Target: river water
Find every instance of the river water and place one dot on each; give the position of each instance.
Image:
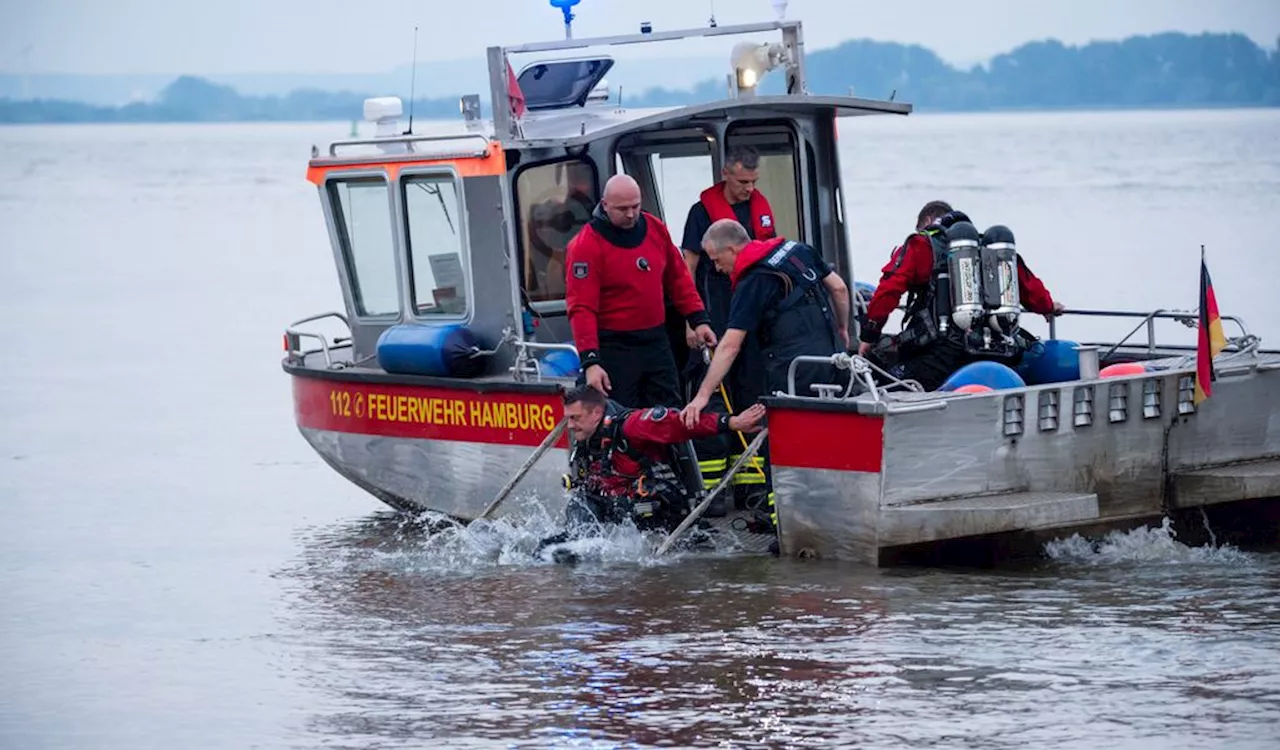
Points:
(179, 570)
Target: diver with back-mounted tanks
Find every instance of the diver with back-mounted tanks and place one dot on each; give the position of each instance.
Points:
(967, 290)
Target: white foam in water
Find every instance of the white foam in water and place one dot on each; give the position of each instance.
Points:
(1142, 545)
(509, 541)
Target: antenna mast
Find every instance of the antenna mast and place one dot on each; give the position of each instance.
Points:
(413, 80)
(566, 7)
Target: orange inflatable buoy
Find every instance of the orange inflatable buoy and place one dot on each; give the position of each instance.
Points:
(1122, 368)
(973, 388)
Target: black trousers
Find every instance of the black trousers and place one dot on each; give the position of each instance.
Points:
(717, 454)
(931, 366)
(641, 369)
(713, 452)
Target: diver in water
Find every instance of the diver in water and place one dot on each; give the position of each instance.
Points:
(622, 463)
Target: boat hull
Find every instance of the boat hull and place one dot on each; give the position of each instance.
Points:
(1117, 451)
(423, 447)
(853, 480)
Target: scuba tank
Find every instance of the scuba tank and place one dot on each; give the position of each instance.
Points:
(964, 267)
(1000, 294)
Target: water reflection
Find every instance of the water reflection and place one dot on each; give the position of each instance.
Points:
(408, 644)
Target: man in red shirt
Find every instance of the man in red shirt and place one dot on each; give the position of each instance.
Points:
(911, 270)
(621, 267)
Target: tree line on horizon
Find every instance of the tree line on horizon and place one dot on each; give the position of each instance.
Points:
(1163, 70)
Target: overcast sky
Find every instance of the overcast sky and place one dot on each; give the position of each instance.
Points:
(220, 37)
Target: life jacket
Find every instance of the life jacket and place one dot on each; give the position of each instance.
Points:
(712, 285)
(718, 207)
(621, 481)
(802, 322)
(929, 310)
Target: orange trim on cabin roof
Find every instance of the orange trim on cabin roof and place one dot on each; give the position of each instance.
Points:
(491, 164)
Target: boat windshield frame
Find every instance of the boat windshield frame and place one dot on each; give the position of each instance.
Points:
(505, 124)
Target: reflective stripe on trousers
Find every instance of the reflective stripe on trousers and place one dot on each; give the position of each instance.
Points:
(712, 471)
(750, 474)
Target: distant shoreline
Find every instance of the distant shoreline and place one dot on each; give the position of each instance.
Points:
(345, 123)
(1171, 71)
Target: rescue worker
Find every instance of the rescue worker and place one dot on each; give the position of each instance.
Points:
(621, 461)
(620, 266)
(922, 355)
(734, 197)
(789, 298)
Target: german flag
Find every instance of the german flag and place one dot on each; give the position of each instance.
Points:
(1211, 340)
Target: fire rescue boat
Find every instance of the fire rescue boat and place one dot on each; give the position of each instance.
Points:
(451, 354)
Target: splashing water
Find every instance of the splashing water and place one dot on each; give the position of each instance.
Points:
(1142, 545)
(435, 544)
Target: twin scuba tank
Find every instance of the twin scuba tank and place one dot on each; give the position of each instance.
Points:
(978, 287)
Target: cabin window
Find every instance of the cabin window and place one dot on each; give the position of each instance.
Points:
(779, 172)
(437, 257)
(680, 181)
(555, 202)
(362, 214)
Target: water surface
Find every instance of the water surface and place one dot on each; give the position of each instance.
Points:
(179, 570)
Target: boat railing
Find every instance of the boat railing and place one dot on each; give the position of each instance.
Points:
(408, 142)
(861, 372)
(526, 365)
(1245, 342)
(293, 339)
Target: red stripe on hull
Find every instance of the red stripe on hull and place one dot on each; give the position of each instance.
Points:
(825, 440)
(410, 411)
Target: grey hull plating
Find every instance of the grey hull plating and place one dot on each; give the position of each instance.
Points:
(453, 478)
(1141, 453)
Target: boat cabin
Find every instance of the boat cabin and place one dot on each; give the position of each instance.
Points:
(466, 227)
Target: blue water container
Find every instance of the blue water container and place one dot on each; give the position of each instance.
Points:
(443, 351)
(1050, 361)
(560, 363)
(991, 374)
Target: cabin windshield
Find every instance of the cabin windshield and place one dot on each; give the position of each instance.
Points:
(362, 216)
(436, 249)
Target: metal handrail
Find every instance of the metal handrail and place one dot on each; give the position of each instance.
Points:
(322, 316)
(324, 346)
(525, 364)
(409, 140)
(653, 36)
(1185, 317)
(293, 336)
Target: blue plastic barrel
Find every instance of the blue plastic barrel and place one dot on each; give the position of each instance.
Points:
(1050, 361)
(438, 350)
(991, 374)
(560, 363)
